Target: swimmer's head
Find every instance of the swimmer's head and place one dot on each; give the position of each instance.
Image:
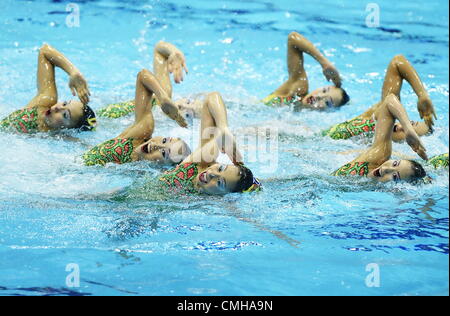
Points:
(421, 129)
(399, 170)
(164, 150)
(70, 114)
(221, 179)
(326, 98)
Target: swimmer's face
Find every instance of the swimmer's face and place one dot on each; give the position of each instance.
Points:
(64, 114)
(324, 98)
(219, 179)
(164, 150)
(399, 135)
(394, 170)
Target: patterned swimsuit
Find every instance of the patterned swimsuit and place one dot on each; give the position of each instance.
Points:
(23, 121)
(116, 110)
(273, 100)
(181, 178)
(440, 161)
(351, 128)
(353, 169)
(118, 150)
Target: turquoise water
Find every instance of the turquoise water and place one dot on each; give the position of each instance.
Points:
(306, 233)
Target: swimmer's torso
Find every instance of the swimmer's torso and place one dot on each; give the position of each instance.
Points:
(351, 128)
(181, 178)
(357, 168)
(24, 121)
(116, 110)
(117, 150)
(273, 100)
(440, 161)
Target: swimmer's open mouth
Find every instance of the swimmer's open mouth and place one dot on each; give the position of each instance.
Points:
(311, 100)
(145, 149)
(202, 177)
(377, 173)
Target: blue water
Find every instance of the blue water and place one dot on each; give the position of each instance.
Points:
(306, 233)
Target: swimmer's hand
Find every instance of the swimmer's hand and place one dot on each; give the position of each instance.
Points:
(176, 65)
(414, 142)
(78, 85)
(171, 111)
(426, 110)
(331, 73)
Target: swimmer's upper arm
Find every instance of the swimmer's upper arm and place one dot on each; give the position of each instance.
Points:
(47, 94)
(205, 154)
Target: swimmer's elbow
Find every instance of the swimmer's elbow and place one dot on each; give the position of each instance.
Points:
(45, 48)
(294, 36)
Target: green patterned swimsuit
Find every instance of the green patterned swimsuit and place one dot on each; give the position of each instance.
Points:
(117, 110)
(181, 178)
(273, 100)
(439, 161)
(353, 169)
(118, 150)
(23, 121)
(351, 128)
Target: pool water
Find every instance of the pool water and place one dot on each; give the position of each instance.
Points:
(305, 233)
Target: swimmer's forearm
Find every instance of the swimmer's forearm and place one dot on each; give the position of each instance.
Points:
(398, 111)
(152, 84)
(410, 74)
(302, 44)
(57, 59)
(216, 107)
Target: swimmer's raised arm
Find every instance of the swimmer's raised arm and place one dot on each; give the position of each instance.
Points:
(147, 86)
(297, 84)
(47, 94)
(168, 59)
(301, 44)
(400, 69)
(386, 114)
(215, 134)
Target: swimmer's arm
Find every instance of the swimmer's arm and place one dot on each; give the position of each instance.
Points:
(208, 153)
(381, 150)
(47, 94)
(214, 126)
(147, 86)
(214, 117)
(302, 44)
(400, 69)
(168, 59)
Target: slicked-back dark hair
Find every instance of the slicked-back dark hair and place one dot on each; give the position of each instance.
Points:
(345, 97)
(86, 121)
(419, 171)
(246, 180)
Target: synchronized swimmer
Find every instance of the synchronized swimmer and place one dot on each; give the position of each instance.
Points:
(198, 171)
